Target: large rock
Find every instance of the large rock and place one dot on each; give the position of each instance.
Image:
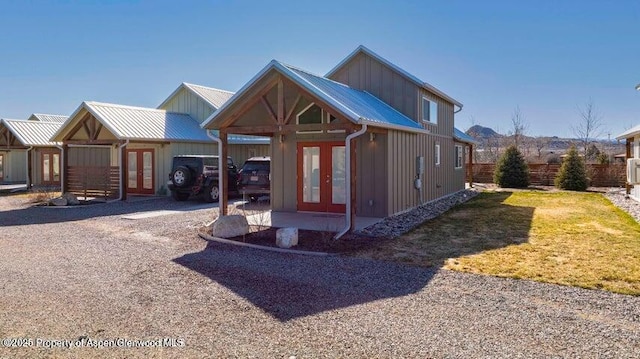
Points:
(60, 201)
(71, 198)
(287, 237)
(230, 226)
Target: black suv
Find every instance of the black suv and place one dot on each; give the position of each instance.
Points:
(254, 177)
(198, 175)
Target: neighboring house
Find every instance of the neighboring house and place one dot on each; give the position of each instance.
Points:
(200, 102)
(376, 143)
(632, 157)
(26, 155)
(112, 150)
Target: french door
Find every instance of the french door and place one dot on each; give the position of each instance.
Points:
(321, 177)
(50, 165)
(1, 167)
(140, 171)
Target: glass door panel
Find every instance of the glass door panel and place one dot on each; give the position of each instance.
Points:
(46, 175)
(311, 174)
(56, 167)
(1, 167)
(338, 175)
(147, 172)
(132, 172)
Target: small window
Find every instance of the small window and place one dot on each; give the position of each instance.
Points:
(312, 114)
(437, 154)
(333, 119)
(429, 111)
(458, 156)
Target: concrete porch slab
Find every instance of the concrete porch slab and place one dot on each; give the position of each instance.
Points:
(332, 222)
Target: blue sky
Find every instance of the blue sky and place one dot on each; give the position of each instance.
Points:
(547, 57)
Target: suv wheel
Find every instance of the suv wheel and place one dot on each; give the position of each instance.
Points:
(212, 194)
(179, 196)
(181, 176)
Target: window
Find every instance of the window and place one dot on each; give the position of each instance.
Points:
(50, 165)
(437, 154)
(458, 156)
(312, 114)
(429, 111)
(1, 167)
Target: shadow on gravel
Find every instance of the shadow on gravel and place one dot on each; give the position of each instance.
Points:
(43, 214)
(291, 286)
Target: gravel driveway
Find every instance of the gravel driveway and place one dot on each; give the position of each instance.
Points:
(88, 275)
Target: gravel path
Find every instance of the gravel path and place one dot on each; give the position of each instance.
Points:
(618, 198)
(89, 274)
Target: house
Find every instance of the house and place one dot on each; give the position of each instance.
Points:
(632, 137)
(26, 154)
(112, 150)
(200, 102)
(367, 139)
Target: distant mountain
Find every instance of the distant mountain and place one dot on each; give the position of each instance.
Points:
(480, 132)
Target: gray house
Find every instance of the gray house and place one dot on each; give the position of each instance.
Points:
(367, 139)
(632, 138)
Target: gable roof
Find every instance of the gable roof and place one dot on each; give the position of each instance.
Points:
(212, 96)
(33, 133)
(632, 132)
(47, 118)
(405, 74)
(358, 106)
(139, 123)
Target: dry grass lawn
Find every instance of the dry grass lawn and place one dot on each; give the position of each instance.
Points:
(568, 238)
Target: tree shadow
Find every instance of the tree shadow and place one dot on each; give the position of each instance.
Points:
(289, 286)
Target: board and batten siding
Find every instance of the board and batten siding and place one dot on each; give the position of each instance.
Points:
(437, 180)
(366, 73)
(187, 102)
(15, 165)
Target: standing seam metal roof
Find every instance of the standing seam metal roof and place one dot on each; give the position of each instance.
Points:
(358, 106)
(33, 133)
(47, 118)
(212, 96)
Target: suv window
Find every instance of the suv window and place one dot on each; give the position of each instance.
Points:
(250, 166)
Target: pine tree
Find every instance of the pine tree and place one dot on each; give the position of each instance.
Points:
(511, 170)
(573, 173)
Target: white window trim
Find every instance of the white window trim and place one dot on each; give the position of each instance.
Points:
(303, 111)
(437, 154)
(431, 101)
(460, 151)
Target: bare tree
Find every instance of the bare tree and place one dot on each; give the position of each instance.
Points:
(519, 127)
(541, 143)
(590, 125)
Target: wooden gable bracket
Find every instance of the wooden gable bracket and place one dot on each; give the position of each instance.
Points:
(91, 126)
(253, 98)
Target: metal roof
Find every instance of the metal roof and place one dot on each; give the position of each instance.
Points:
(463, 137)
(404, 73)
(140, 123)
(358, 106)
(33, 133)
(244, 139)
(47, 118)
(214, 97)
(634, 131)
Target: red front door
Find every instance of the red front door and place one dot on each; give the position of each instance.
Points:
(140, 171)
(321, 177)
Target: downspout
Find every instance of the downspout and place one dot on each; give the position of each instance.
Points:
(347, 145)
(220, 162)
(29, 172)
(120, 169)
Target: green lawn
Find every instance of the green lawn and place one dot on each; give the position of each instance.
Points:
(569, 238)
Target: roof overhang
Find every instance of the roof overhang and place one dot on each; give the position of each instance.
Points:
(631, 133)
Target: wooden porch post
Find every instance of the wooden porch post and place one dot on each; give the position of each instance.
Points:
(471, 165)
(352, 175)
(627, 156)
(123, 171)
(222, 166)
(65, 168)
(29, 171)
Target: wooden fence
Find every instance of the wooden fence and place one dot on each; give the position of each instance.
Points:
(542, 174)
(98, 182)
